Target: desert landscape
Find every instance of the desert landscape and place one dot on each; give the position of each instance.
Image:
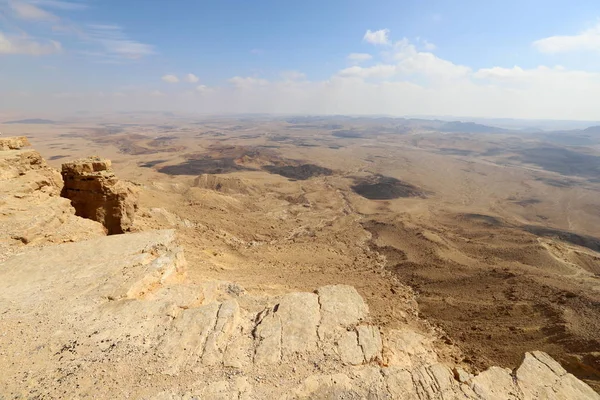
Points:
(484, 239)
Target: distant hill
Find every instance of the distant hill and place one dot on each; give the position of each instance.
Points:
(31, 121)
(470, 127)
(592, 130)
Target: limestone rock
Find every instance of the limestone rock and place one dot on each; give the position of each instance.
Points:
(97, 194)
(268, 336)
(118, 310)
(300, 316)
(495, 383)
(13, 143)
(341, 305)
(223, 184)
(349, 349)
(31, 211)
(369, 340)
(540, 377)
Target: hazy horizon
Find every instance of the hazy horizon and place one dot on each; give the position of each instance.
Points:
(512, 60)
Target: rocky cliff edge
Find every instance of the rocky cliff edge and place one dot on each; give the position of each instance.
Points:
(115, 317)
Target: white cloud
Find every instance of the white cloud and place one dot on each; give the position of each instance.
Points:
(539, 76)
(247, 82)
(411, 61)
(293, 75)
(377, 37)
(104, 42)
(376, 71)
(27, 45)
(114, 41)
(406, 81)
(587, 40)
(357, 58)
(429, 46)
(170, 78)
(27, 11)
(191, 78)
(60, 4)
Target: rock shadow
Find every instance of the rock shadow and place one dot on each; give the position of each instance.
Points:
(379, 187)
(298, 172)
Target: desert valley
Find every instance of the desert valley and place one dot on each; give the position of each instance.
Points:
(485, 240)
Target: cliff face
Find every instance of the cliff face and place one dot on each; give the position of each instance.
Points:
(97, 194)
(31, 209)
(117, 317)
(13, 143)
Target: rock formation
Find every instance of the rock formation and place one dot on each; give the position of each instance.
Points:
(13, 143)
(222, 183)
(117, 317)
(97, 194)
(31, 210)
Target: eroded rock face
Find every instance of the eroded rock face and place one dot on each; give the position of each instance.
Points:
(32, 213)
(97, 194)
(115, 316)
(13, 143)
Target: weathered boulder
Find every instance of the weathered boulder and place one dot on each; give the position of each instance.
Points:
(31, 210)
(13, 143)
(114, 315)
(97, 194)
(223, 184)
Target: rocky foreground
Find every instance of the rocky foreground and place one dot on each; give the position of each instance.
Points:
(84, 315)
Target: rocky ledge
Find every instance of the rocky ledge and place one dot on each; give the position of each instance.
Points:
(97, 194)
(116, 317)
(31, 209)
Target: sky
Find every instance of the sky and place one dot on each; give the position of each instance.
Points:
(530, 59)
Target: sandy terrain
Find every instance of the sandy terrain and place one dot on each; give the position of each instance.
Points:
(496, 234)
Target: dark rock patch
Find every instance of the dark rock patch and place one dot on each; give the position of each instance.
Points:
(57, 157)
(279, 138)
(150, 164)
(563, 161)
(589, 242)
(561, 183)
(348, 134)
(299, 172)
(207, 165)
(379, 187)
(455, 152)
(527, 202)
(482, 218)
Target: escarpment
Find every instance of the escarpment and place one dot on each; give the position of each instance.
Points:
(118, 317)
(31, 209)
(97, 194)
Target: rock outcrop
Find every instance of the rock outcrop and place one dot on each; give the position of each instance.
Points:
(13, 143)
(223, 184)
(117, 317)
(97, 194)
(31, 209)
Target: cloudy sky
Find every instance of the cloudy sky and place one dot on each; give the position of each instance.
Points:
(519, 59)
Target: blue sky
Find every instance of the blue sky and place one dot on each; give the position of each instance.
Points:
(523, 59)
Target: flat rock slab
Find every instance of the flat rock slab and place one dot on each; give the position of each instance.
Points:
(112, 317)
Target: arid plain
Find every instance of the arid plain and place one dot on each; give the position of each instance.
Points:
(496, 232)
